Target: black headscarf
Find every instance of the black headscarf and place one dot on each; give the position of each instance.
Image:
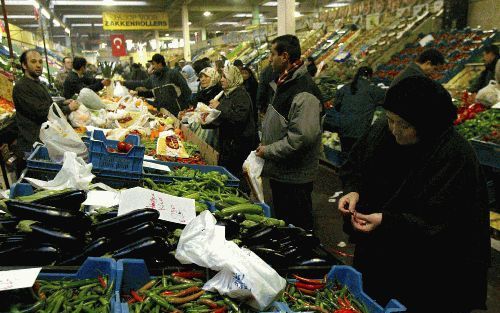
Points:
(423, 103)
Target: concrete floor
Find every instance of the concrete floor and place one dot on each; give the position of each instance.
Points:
(328, 227)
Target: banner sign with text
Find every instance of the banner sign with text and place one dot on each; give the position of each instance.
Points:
(134, 21)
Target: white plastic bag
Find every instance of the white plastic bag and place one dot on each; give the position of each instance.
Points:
(206, 114)
(59, 137)
(120, 90)
(74, 174)
(243, 275)
(81, 117)
(253, 166)
(489, 95)
(90, 99)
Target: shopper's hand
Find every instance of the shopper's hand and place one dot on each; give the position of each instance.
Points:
(347, 204)
(260, 151)
(133, 93)
(366, 223)
(106, 82)
(214, 103)
(73, 105)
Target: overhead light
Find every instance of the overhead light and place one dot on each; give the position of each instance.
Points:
(30, 26)
(45, 13)
(189, 23)
(298, 14)
(36, 4)
(96, 3)
(58, 36)
(108, 2)
(81, 25)
(246, 15)
(98, 24)
(167, 35)
(27, 17)
(336, 4)
(84, 35)
(207, 13)
(19, 2)
(274, 4)
(227, 23)
(83, 16)
(67, 30)
(56, 23)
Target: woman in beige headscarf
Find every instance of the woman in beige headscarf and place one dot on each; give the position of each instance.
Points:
(237, 132)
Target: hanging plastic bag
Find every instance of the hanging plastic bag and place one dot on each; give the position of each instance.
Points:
(90, 99)
(81, 117)
(243, 275)
(74, 174)
(206, 114)
(59, 137)
(252, 168)
(489, 95)
(120, 90)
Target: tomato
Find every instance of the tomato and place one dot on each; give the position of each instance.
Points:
(128, 146)
(122, 146)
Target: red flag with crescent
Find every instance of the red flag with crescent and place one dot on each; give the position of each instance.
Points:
(119, 47)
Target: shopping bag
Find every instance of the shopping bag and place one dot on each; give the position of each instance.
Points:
(59, 137)
(120, 90)
(90, 99)
(243, 275)
(74, 174)
(81, 117)
(206, 114)
(489, 95)
(252, 169)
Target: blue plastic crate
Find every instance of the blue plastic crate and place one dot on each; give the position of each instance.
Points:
(133, 274)
(232, 181)
(488, 153)
(265, 208)
(40, 160)
(119, 165)
(20, 190)
(347, 275)
(90, 269)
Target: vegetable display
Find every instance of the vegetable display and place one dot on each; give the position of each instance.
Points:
(313, 295)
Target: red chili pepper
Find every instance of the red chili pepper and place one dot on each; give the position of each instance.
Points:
(220, 310)
(102, 281)
(307, 291)
(189, 274)
(309, 286)
(136, 296)
(167, 293)
(346, 301)
(307, 280)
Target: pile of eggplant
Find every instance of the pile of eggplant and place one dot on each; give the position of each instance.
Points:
(54, 231)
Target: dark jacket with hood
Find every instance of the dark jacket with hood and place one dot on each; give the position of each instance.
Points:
(291, 130)
(432, 197)
(485, 77)
(174, 98)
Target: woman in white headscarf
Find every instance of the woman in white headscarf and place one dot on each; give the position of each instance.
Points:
(237, 131)
(191, 78)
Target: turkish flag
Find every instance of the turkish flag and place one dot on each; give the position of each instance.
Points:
(118, 45)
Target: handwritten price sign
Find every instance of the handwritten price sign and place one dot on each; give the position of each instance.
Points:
(172, 209)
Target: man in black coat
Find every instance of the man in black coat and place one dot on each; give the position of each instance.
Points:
(77, 79)
(490, 57)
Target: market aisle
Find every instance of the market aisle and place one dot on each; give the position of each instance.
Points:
(328, 225)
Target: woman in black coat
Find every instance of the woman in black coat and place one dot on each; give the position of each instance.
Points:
(237, 131)
(251, 85)
(416, 205)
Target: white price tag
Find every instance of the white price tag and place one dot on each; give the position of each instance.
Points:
(16, 279)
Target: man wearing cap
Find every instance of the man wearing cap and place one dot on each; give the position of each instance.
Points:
(168, 87)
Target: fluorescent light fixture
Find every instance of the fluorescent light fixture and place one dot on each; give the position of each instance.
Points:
(19, 2)
(227, 23)
(246, 15)
(336, 4)
(96, 2)
(19, 17)
(30, 26)
(167, 35)
(56, 23)
(98, 24)
(45, 13)
(189, 23)
(84, 35)
(274, 4)
(207, 13)
(67, 30)
(81, 25)
(108, 2)
(83, 16)
(59, 36)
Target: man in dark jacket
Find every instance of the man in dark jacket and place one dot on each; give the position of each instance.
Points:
(291, 134)
(490, 57)
(168, 87)
(32, 101)
(77, 80)
(425, 65)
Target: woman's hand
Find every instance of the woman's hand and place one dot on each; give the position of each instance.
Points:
(214, 103)
(366, 223)
(347, 204)
(133, 92)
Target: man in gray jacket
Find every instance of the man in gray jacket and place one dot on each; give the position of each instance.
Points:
(291, 134)
(425, 65)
